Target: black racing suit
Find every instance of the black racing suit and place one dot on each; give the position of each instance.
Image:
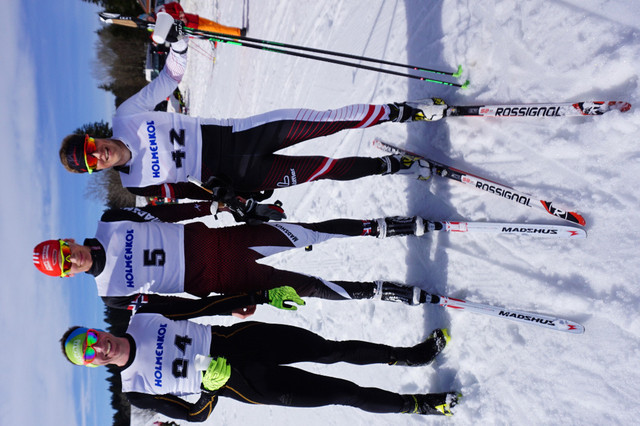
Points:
(256, 353)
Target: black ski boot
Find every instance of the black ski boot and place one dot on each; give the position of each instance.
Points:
(431, 403)
(393, 292)
(405, 164)
(423, 353)
(430, 109)
(398, 225)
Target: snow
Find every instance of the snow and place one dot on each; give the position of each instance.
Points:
(534, 51)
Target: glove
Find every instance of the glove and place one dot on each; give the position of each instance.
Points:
(282, 298)
(217, 374)
(265, 212)
(167, 29)
(255, 213)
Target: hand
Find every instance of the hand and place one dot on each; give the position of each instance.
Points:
(217, 374)
(176, 33)
(254, 213)
(167, 29)
(257, 213)
(284, 297)
(245, 312)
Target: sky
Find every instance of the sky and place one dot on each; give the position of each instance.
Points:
(46, 91)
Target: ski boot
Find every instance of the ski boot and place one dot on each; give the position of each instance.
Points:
(423, 353)
(431, 403)
(430, 109)
(392, 292)
(398, 226)
(404, 164)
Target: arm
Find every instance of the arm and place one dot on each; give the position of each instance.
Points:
(180, 212)
(174, 407)
(242, 210)
(164, 213)
(173, 190)
(162, 86)
(180, 308)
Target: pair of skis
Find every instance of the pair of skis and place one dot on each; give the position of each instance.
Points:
(548, 231)
(487, 185)
(567, 109)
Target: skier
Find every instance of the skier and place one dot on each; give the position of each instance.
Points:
(162, 359)
(156, 152)
(136, 251)
(194, 21)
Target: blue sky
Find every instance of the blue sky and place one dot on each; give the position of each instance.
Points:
(46, 91)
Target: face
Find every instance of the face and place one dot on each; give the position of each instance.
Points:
(110, 349)
(80, 257)
(110, 153)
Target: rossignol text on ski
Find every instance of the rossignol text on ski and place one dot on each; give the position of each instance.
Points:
(486, 185)
(562, 109)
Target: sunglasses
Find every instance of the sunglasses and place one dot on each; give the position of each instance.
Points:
(89, 148)
(65, 255)
(89, 351)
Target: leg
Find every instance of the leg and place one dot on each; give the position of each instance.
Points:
(274, 130)
(283, 344)
(240, 151)
(288, 386)
(223, 260)
(279, 171)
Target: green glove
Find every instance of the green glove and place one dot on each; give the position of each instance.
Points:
(284, 297)
(217, 374)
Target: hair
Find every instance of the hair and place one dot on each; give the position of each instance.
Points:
(64, 147)
(64, 339)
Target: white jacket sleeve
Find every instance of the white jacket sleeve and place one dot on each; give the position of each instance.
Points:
(161, 87)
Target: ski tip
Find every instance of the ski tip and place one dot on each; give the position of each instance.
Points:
(579, 218)
(458, 73)
(465, 84)
(571, 327)
(570, 216)
(620, 106)
(577, 233)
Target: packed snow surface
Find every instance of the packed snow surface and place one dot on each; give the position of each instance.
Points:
(511, 51)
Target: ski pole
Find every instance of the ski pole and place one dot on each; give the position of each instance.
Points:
(456, 74)
(239, 41)
(114, 18)
(546, 321)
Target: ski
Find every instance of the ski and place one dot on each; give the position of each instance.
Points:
(126, 21)
(566, 109)
(546, 321)
(487, 185)
(528, 229)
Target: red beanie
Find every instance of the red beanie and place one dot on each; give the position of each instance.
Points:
(47, 257)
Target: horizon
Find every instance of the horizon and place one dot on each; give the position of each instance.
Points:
(48, 90)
